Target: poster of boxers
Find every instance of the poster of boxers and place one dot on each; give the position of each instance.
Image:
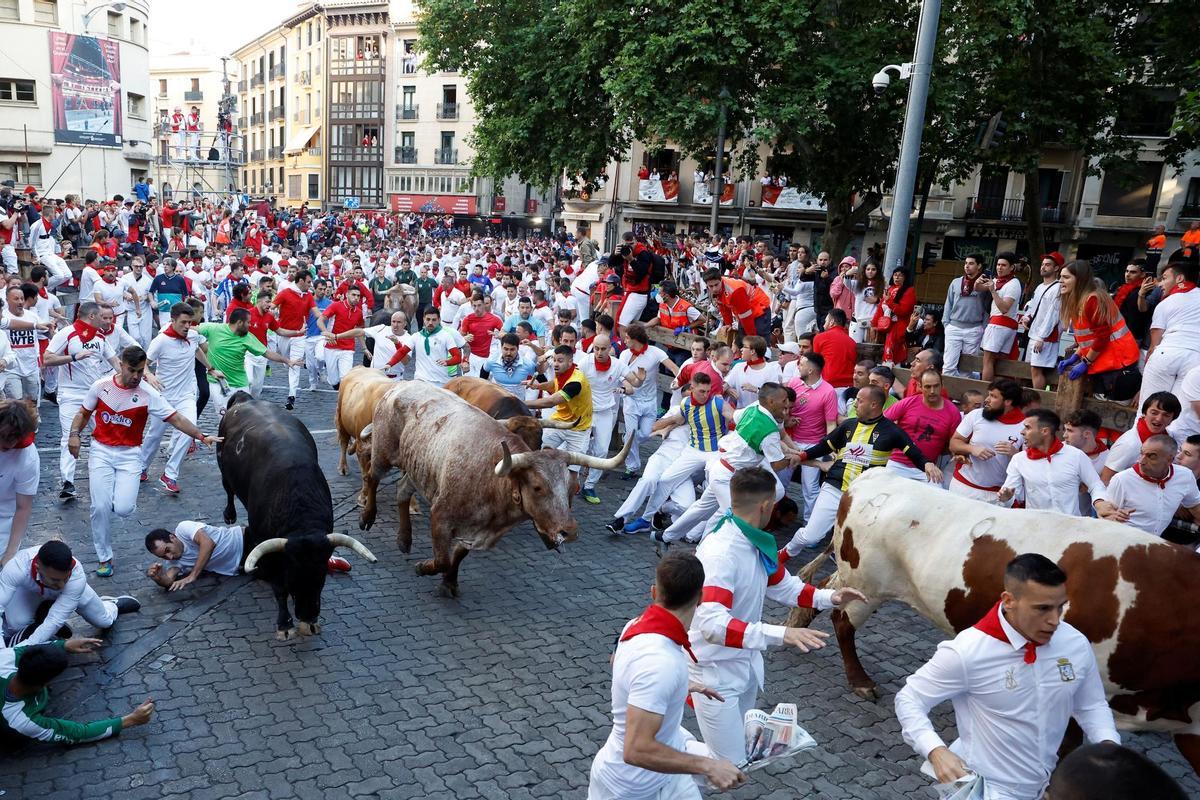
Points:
(85, 76)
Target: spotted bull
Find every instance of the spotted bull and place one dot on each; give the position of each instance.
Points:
(478, 476)
(944, 556)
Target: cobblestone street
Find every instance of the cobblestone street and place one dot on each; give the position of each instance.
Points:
(503, 693)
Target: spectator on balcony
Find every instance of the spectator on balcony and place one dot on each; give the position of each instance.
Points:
(964, 315)
(1000, 335)
(1105, 349)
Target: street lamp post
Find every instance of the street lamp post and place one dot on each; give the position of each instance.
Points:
(718, 177)
(90, 13)
(914, 121)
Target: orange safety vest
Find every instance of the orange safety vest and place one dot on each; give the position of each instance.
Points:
(675, 316)
(1122, 349)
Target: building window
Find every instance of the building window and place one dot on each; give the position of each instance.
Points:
(1191, 200)
(136, 105)
(14, 91)
(115, 28)
(135, 31)
(309, 27)
(195, 84)
(20, 175)
(314, 186)
(10, 10)
(162, 87)
(45, 12)
(408, 96)
(1136, 196)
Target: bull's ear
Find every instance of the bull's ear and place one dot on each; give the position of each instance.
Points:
(513, 424)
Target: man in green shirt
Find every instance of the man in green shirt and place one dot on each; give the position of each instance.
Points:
(24, 674)
(228, 344)
(406, 275)
(379, 286)
(425, 288)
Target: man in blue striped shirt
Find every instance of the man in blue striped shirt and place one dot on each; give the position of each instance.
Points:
(510, 371)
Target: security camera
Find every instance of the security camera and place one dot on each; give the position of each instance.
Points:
(881, 82)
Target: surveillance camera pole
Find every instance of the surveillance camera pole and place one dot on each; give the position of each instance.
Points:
(910, 143)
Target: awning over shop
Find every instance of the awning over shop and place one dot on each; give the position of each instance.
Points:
(301, 139)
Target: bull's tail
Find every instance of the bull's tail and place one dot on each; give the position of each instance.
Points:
(803, 617)
(807, 572)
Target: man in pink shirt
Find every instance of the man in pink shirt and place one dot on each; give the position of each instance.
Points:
(813, 416)
(929, 419)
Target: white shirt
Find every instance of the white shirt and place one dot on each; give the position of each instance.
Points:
(1011, 290)
(75, 379)
(385, 348)
(16, 578)
(989, 474)
(1052, 484)
(45, 306)
(650, 673)
(41, 240)
(649, 359)
(1178, 317)
(728, 626)
(1043, 307)
(1127, 448)
(89, 277)
(226, 556)
(19, 471)
(739, 454)
(140, 286)
(111, 294)
(440, 345)
(1189, 392)
(174, 361)
(746, 382)
(1153, 505)
(24, 357)
(604, 383)
(451, 303)
(586, 279)
(1011, 716)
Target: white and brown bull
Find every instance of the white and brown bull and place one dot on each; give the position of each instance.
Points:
(944, 555)
(479, 477)
(504, 406)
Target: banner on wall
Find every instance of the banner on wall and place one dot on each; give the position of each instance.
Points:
(777, 197)
(433, 203)
(85, 89)
(653, 190)
(702, 196)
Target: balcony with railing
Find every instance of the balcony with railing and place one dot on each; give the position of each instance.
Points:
(256, 118)
(277, 113)
(445, 155)
(303, 78)
(300, 117)
(406, 155)
(256, 80)
(241, 86)
(1012, 209)
(277, 71)
(447, 110)
(355, 154)
(274, 153)
(371, 112)
(1190, 209)
(257, 155)
(407, 112)
(193, 97)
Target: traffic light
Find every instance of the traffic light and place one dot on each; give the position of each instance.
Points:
(991, 133)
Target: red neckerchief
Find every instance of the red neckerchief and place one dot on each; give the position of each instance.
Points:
(107, 279)
(1100, 448)
(42, 293)
(28, 440)
(656, 619)
(1010, 417)
(541, 305)
(1180, 288)
(1162, 482)
(85, 331)
(990, 624)
(1125, 290)
(170, 332)
(754, 362)
(968, 286)
(696, 403)
(1143, 430)
(603, 366)
(999, 282)
(1035, 454)
(586, 344)
(562, 378)
(633, 348)
(33, 576)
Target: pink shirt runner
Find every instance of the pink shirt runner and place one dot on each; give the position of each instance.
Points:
(930, 429)
(815, 406)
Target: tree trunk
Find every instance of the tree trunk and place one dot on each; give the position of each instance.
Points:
(1033, 218)
(842, 219)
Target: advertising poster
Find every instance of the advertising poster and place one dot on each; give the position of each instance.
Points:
(85, 89)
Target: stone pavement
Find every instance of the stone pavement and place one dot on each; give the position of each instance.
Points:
(503, 693)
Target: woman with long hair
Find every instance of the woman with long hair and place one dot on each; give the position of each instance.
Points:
(892, 314)
(867, 283)
(1105, 350)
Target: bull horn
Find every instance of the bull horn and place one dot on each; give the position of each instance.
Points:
(557, 424)
(345, 540)
(263, 548)
(510, 462)
(595, 462)
(366, 432)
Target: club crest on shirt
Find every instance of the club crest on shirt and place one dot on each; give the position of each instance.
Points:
(1066, 672)
(1010, 679)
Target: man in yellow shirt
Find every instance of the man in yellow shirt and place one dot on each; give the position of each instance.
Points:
(570, 393)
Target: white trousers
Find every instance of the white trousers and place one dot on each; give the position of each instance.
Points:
(60, 273)
(8, 256)
(982, 495)
(603, 423)
(256, 371)
(820, 520)
(677, 787)
(180, 441)
(912, 473)
(722, 724)
(960, 342)
(113, 474)
(140, 328)
(655, 466)
(17, 387)
(711, 504)
(314, 359)
(293, 349)
(68, 407)
(810, 480)
(583, 305)
(678, 474)
(1165, 369)
(220, 399)
(337, 364)
(22, 607)
(639, 420)
(631, 308)
(177, 139)
(804, 321)
(567, 441)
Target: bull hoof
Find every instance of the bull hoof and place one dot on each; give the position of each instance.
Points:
(405, 545)
(426, 567)
(866, 693)
(229, 515)
(413, 506)
(308, 628)
(366, 520)
(285, 634)
(343, 470)
(448, 590)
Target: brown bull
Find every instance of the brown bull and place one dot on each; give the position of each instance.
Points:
(503, 406)
(479, 477)
(358, 395)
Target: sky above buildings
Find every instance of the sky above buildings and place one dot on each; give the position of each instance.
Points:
(215, 27)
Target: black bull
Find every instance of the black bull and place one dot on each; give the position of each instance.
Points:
(268, 459)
